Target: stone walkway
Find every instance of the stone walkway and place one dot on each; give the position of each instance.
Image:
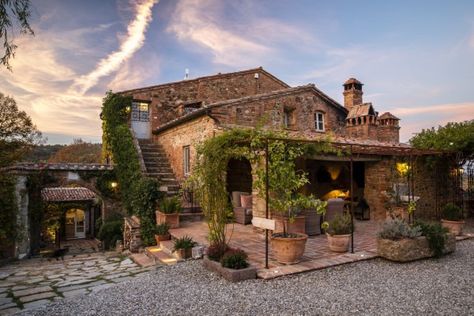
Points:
(31, 283)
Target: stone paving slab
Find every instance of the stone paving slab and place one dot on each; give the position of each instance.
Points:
(34, 282)
(36, 297)
(10, 311)
(31, 291)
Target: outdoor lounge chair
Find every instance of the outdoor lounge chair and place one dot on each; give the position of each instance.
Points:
(335, 207)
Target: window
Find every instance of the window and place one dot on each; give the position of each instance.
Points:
(288, 118)
(140, 111)
(186, 160)
(319, 121)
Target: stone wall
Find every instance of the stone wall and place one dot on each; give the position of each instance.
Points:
(378, 178)
(168, 100)
(300, 103)
(188, 134)
(388, 133)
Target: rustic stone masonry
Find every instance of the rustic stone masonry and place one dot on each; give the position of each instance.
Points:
(169, 101)
(378, 178)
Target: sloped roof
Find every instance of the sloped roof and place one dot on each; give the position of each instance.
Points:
(64, 194)
(361, 110)
(206, 78)
(388, 115)
(257, 97)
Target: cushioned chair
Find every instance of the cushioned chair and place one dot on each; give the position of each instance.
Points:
(335, 207)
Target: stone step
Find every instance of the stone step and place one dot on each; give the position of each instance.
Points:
(157, 253)
(143, 260)
(167, 246)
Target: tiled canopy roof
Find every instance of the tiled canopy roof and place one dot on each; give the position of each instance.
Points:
(361, 110)
(32, 166)
(352, 80)
(63, 194)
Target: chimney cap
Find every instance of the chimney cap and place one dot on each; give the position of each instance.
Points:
(352, 80)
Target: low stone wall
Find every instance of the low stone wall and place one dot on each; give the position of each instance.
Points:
(406, 250)
(230, 274)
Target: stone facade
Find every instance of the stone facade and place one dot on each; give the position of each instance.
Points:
(175, 139)
(378, 178)
(169, 101)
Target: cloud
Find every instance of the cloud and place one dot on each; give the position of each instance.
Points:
(133, 42)
(246, 43)
(44, 74)
(432, 116)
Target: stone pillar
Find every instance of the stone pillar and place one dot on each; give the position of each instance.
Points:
(377, 179)
(258, 203)
(22, 245)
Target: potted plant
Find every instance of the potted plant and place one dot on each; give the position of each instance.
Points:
(162, 233)
(183, 247)
(285, 181)
(398, 241)
(168, 212)
(338, 232)
(452, 218)
(231, 264)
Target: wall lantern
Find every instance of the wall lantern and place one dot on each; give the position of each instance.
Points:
(402, 168)
(113, 184)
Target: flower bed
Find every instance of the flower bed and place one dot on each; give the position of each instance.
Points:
(407, 249)
(231, 275)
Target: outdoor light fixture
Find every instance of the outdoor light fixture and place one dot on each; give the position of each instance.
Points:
(402, 168)
(113, 184)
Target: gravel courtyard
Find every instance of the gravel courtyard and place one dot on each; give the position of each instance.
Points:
(443, 287)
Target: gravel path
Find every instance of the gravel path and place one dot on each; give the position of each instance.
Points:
(443, 287)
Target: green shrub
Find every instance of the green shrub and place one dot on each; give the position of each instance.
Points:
(340, 225)
(452, 212)
(170, 205)
(234, 259)
(184, 242)
(110, 232)
(397, 229)
(436, 236)
(162, 229)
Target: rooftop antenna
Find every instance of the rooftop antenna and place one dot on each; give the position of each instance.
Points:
(186, 74)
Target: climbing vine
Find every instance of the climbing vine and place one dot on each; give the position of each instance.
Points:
(209, 173)
(138, 192)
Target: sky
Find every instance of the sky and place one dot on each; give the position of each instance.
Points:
(415, 58)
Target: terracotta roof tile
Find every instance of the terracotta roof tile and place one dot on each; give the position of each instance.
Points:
(361, 110)
(63, 194)
(388, 115)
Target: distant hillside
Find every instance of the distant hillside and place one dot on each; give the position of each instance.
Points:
(79, 151)
(42, 153)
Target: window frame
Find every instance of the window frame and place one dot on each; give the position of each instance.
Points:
(187, 160)
(318, 122)
(137, 114)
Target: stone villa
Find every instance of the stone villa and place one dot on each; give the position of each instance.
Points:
(170, 119)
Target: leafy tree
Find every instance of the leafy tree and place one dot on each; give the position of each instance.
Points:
(18, 12)
(78, 152)
(455, 136)
(17, 132)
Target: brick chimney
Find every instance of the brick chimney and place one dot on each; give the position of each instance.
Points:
(352, 93)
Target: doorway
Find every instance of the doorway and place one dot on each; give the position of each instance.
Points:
(140, 120)
(75, 224)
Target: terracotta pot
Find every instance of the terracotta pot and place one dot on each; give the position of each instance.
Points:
(246, 201)
(455, 227)
(339, 243)
(171, 219)
(288, 250)
(298, 225)
(182, 254)
(159, 238)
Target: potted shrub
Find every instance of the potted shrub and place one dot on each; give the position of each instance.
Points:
(452, 218)
(338, 232)
(162, 233)
(168, 212)
(183, 247)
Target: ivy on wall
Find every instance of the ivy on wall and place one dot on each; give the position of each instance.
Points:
(139, 193)
(8, 214)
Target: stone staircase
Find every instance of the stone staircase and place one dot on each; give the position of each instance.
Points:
(158, 166)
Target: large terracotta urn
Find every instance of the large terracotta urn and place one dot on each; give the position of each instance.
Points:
(288, 250)
(339, 243)
(455, 227)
